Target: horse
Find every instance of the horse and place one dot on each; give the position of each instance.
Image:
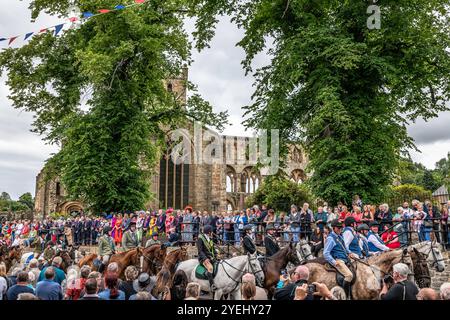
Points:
(367, 276)
(89, 260)
(303, 251)
(13, 254)
(66, 259)
(153, 258)
(127, 258)
(173, 258)
(432, 253)
(273, 265)
(228, 276)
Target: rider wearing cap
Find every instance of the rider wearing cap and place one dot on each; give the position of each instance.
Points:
(337, 254)
(376, 244)
(207, 253)
(249, 245)
(363, 231)
(130, 239)
(153, 240)
(351, 238)
(270, 242)
(106, 247)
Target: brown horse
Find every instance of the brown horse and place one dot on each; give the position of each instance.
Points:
(422, 274)
(154, 257)
(127, 258)
(67, 261)
(273, 265)
(89, 260)
(11, 255)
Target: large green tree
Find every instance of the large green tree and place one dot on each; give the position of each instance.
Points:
(98, 90)
(345, 90)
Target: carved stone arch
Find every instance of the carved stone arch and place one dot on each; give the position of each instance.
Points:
(71, 206)
(298, 176)
(250, 180)
(296, 154)
(231, 179)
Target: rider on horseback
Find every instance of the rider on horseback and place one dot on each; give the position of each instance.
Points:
(363, 230)
(351, 238)
(376, 244)
(130, 239)
(106, 247)
(153, 240)
(337, 254)
(207, 253)
(270, 243)
(249, 244)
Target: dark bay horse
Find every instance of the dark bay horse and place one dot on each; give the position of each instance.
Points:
(10, 255)
(127, 258)
(273, 265)
(154, 257)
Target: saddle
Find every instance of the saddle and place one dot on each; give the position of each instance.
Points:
(330, 268)
(201, 271)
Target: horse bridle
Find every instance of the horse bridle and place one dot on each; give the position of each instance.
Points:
(423, 264)
(435, 258)
(302, 255)
(242, 271)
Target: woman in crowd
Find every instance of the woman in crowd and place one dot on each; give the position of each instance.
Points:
(316, 241)
(390, 237)
(76, 286)
(3, 281)
(445, 224)
(367, 215)
(111, 291)
(333, 216)
(397, 219)
(131, 273)
(282, 224)
(357, 214)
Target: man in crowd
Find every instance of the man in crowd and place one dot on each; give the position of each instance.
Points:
(249, 245)
(321, 218)
(20, 287)
(298, 278)
(295, 223)
(376, 244)
(129, 239)
(403, 289)
(48, 289)
(60, 276)
(106, 247)
(91, 290)
(207, 253)
(363, 230)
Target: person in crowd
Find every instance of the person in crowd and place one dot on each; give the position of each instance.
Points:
(390, 237)
(316, 242)
(399, 228)
(270, 242)
(445, 225)
(34, 269)
(305, 222)
(22, 286)
(444, 291)
(179, 283)
(337, 254)
(282, 224)
(3, 281)
(26, 297)
(403, 289)
(434, 216)
(299, 277)
(192, 291)
(129, 239)
(91, 290)
(260, 293)
(112, 291)
(321, 218)
(419, 217)
(357, 214)
(351, 237)
(188, 229)
(48, 289)
(74, 289)
(248, 290)
(60, 276)
(295, 223)
(367, 216)
(144, 283)
(127, 286)
(427, 294)
(376, 244)
(343, 213)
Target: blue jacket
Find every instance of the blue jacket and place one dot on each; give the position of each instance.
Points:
(354, 244)
(372, 248)
(335, 249)
(48, 290)
(365, 246)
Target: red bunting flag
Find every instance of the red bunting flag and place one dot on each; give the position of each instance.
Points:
(104, 10)
(139, 1)
(11, 40)
(43, 30)
(73, 19)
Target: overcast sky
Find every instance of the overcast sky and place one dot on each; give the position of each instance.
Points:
(216, 71)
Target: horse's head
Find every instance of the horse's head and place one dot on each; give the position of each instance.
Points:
(15, 253)
(433, 254)
(256, 269)
(407, 259)
(421, 270)
(303, 251)
(291, 255)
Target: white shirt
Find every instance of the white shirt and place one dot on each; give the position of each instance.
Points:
(375, 241)
(348, 238)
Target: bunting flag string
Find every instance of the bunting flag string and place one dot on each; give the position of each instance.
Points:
(84, 17)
